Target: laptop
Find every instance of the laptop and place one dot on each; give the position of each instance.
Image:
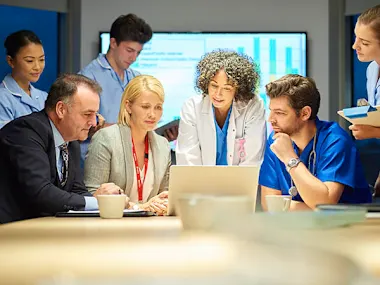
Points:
(212, 180)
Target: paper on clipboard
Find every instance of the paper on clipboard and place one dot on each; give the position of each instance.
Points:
(364, 115)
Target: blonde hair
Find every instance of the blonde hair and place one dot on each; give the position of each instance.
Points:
(371, 17)
(135, 87)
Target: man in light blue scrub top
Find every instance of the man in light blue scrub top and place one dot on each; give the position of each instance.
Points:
(26, 57)
(112, 71)
(314, 161)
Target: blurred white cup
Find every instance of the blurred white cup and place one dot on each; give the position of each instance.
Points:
(203, 212)
(278, 203)
(111, 206)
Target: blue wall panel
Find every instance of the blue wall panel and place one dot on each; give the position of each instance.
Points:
(45, 25)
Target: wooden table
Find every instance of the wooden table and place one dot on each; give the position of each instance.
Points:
(136, 249)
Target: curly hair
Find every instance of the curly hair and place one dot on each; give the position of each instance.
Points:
(241, 70)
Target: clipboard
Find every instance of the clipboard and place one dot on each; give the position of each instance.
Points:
(363, 115)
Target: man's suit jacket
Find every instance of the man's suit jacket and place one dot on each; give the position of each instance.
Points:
(29, 182)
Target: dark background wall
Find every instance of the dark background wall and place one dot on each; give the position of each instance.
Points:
(45, 25)
(358, 70)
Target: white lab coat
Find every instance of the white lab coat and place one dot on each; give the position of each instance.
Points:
(196, 144)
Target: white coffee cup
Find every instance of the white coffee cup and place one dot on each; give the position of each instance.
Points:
(204, 212)
(111, 206)
(278, 203)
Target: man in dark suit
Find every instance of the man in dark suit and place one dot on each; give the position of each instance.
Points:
(40, 156)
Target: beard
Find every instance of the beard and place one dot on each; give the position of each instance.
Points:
(289, 130)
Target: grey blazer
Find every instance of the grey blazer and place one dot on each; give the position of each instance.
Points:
(109, 159)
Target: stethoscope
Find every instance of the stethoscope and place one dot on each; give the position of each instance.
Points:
(312, 156)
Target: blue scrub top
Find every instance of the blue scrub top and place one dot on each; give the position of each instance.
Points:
(101, 71)
(221, 139)
(373, 84)
(15, 102)
(337, 160)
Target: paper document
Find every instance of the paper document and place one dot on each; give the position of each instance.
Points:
(97, 211)
(363, 115)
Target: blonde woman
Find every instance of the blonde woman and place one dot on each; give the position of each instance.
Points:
(129, 153)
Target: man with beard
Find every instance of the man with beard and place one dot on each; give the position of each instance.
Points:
(314, 161)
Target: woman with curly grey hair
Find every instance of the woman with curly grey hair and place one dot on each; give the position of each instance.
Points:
(226, 125)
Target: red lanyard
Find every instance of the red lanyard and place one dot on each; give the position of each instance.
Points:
(140, 183)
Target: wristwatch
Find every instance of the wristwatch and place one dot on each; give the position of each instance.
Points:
(293, 162)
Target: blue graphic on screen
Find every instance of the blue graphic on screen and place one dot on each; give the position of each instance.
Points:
(172, 57)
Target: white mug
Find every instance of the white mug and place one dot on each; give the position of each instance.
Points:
(278, 203)
(111, 206)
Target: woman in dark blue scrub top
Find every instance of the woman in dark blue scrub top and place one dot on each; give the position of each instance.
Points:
(26, 57)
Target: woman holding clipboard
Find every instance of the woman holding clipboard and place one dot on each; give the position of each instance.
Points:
(367, 47)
